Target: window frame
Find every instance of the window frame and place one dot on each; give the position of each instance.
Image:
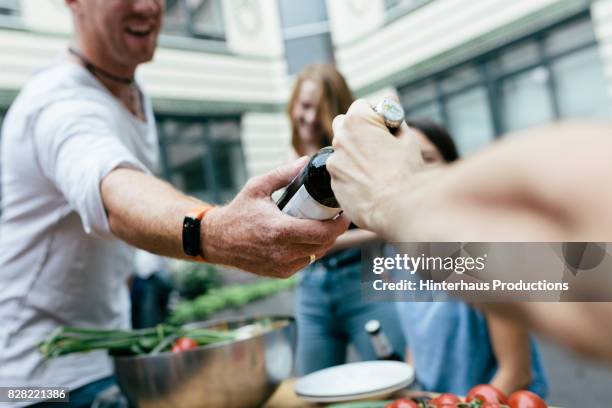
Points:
(491, 81)
(205, 139)
(300, 31)
(190, 30)
(11, 8)
(10, 17)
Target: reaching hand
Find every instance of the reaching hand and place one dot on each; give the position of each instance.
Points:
(252, 234)
(370, 164)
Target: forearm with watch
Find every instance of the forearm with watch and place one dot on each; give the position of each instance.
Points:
(249, 233)
(157, 217)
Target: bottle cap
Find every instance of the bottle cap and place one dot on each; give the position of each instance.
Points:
(391, 111)
(372, 326)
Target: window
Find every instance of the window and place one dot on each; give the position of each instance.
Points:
(570, 37)
(306, 33)
(580, 79)
(469, 120)
(202, 157)
(419, 94)
(556, 73)
(9, 7)
(525, 99)
(429, 110)
(421, 102)
(301, 52)
(515, 58)
(460, 78)
(195, 18)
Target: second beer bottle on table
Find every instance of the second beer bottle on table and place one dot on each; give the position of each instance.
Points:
(310, 195)
(380, 342)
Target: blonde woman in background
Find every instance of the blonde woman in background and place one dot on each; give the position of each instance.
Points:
(330, 313)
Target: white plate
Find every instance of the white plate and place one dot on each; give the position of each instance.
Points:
(366, 379)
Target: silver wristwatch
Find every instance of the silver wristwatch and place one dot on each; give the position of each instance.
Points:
(391, 111)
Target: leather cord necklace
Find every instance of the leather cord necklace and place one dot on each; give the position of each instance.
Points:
(99, 72)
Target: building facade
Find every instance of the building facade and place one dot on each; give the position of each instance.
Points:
(482, 68)
(218, 83)
(222, 75)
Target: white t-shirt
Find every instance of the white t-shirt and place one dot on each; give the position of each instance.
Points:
(59, 262)
(146, 264)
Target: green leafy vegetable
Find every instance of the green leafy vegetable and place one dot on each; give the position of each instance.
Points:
(68, 340)
(232, 296)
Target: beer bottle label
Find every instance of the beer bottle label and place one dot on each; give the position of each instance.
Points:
(302, 205)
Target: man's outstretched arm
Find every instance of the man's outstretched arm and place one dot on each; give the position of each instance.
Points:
(249, 233)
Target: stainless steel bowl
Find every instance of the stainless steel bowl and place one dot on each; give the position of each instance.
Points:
(234, 374)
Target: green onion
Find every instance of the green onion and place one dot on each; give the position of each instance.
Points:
(154, 340)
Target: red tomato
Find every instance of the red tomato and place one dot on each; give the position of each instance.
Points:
(486, 393)
(183, 344)
(492, 405)
(402, 403)
(526, 399)
(445, 401)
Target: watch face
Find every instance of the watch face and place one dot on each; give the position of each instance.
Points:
(191, 236)
(391, 110)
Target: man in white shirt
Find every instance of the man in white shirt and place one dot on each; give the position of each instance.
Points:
(77, 146)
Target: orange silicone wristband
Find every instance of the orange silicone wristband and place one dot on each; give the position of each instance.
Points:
(198, 213)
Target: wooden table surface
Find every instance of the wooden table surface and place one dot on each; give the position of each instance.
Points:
(285, 397)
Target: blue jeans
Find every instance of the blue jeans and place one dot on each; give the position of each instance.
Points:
(331, 315)
(81, 397)
(150, 300)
